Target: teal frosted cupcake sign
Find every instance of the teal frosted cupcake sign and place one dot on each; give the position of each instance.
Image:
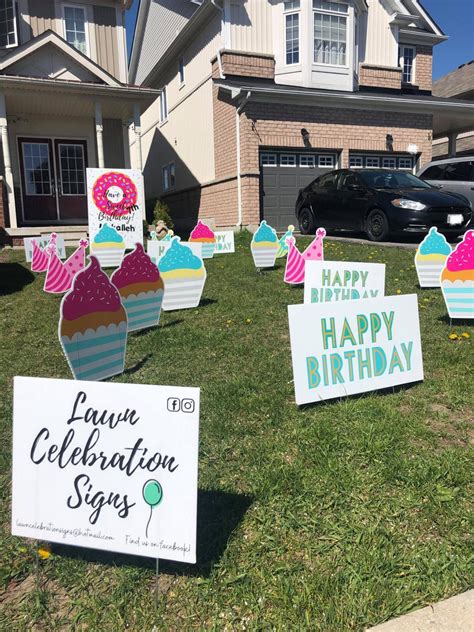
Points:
(264, 246)
(108, 246)
(183, 274)
(430, 258)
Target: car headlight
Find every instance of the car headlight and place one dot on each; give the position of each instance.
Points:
(410, 204)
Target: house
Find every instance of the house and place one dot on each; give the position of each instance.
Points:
(64, 105)
(458, 84)
(258, 97)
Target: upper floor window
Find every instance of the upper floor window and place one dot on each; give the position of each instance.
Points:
(181, 69)
(292, 31)
(163, 105)
(330, 32)
(407, 60)
(75, 27)
(8, 27)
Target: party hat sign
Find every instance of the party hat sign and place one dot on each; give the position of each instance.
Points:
(294, 269)
(58, 278)
(264, 246)
(349, 347)
(430, 258)
(77, 261)
(39, 258)
(327, 281)
(111, 466)
(315, 250)
(184, 276)
(457, 279)
(141, 289)
(203, 235)
(283, 244)
(93, 325)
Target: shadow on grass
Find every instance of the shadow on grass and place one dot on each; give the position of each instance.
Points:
(381, 392)
(177, 321)
(219, 514)
(138, 365)
(13, 278)
(455, 322)
(206, 301)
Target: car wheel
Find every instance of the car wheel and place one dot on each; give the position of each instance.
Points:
(376, 225)
(306, 221)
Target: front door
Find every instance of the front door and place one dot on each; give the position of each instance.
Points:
(53, 180)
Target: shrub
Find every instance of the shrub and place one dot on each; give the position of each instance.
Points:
(157, 211)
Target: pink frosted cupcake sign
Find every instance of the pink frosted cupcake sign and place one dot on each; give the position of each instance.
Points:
(203, 235)
(141, 288)
(93, 325)
(457, 279)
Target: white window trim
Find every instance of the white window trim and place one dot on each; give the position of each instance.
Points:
(163, 119)
(377, 158)
(331, 156)
(15, 22)
(348, 27)
(391, 159)
(401, 64)
(286, 13)
(288, 156)
(183, 80)
(86, 25)
(268, 154)
(307, 156)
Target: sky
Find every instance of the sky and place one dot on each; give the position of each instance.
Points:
(454, 17)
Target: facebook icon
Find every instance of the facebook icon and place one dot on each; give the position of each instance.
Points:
(174, 405)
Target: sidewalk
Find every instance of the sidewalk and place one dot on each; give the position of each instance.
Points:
(452, 615)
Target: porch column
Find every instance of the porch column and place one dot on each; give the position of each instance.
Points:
(138, 135)
(7, 163)
(99, 134)
(126, 144)
(452, 138)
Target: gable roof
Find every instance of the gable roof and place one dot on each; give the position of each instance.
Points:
(49, 38)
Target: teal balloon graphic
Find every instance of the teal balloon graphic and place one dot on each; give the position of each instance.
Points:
(152, 495)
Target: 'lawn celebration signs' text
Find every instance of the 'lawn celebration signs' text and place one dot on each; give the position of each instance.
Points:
(107, 466)
(350, 347)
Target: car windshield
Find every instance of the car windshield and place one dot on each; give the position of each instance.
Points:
(392, 180)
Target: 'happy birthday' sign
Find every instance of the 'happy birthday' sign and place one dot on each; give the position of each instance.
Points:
(106, 466)
(350, 347)
(328, 281)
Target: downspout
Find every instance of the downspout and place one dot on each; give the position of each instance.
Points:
(222, 48)
(239, 179)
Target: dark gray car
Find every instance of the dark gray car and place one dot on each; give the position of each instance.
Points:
(451, 174)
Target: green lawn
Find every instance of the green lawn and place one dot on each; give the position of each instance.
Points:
(329, 517)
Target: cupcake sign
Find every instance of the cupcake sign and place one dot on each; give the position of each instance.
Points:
(184, 276)
(430, 258)
(203, 235)
(264, 246)
(106, 466)
(457, 279)
(116, 198)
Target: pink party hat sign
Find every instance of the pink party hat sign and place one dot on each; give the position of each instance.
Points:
(315, 250)
(141, 289)
(77, 261)
(39, 259)
(294, 270)
(93, 325)
(58, 279)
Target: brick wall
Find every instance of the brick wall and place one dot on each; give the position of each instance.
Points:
(244, 64)
(380, 76)
(424, 67)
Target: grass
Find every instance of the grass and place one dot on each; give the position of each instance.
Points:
(329, 517)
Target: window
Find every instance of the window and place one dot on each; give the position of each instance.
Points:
(287, 160)
(37, 168)
(307, 161)
(163, 105)
(330, 32)
(268, 160)
(389, 163)
(459, 171)
(347, 180)
(169, 177)
(372, 161)
(181, 70)
(405, 163)
(356, 161)
(71, 161)
(326, 161)
(8, 28)
(436, 172)
(75, 27)
(407, 58)
(327, 182)
(292, 32)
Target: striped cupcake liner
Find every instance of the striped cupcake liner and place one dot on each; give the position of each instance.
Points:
(182, 293)
(459, 298)
(208, 250)
(264, 257)
(109, 258)
(143, 309)
(429, 274)
(96, 355)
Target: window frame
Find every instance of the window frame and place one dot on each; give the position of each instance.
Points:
(163, 105)
(83, 7)
(307, 157)
(288, 156)
(268, 154)
(319, 11)
(331, 158)
(181, 71)
(401, 62)
(60, 170)
(292, 12)
(377, 158)
(389, 158)
(409, 158)
(168, 175)
(15, 24)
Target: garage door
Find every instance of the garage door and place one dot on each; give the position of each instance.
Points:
(283, 174)
(404, 162)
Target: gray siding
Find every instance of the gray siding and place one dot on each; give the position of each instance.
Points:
(165, 18)
(41, 16)
(105, 24)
